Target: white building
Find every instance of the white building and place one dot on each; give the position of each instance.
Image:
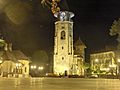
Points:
(65, 62)
(63, 47)
(13, 63)
(104, 61)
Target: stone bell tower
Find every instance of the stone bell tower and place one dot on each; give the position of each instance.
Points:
(63, 43)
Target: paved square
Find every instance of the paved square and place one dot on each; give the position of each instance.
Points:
(58, 84)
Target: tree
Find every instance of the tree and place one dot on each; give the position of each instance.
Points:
(40, 57)
(86, 65)
(87, 69)
(2, 42)
(115, 30)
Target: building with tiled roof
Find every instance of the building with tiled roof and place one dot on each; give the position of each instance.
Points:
(13, 63)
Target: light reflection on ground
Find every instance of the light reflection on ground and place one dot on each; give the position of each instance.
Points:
(58, 84)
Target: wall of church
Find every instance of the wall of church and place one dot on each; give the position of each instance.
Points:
(63, 47)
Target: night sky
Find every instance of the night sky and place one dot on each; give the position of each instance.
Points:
(30, 26)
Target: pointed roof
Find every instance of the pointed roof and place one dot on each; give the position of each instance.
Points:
(7, 55)
(19, 55)
(79, 43)
(14, 55)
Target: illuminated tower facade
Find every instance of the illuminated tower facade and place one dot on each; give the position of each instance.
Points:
(63, 43)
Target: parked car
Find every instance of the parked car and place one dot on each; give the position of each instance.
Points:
(93, 76)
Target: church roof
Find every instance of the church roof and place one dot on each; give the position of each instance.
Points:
(19, 55)
(7, 55)
(79, 42)
(14, 55)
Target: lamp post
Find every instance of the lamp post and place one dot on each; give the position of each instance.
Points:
(40, 69)
(97, 68)
(33, 71)
(33, 67)
(96, 60)
(96, 63)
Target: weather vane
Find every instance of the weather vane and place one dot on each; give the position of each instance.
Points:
(52, 4)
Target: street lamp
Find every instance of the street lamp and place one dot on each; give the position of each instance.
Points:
(33, 70)
(33, 67)
(96, 60)
(97, 66)
(96, 63)
(40, 68)
(118, 60)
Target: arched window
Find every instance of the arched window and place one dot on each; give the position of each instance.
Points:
(63, 35)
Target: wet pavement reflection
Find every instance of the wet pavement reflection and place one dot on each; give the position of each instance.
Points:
(58, 84)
